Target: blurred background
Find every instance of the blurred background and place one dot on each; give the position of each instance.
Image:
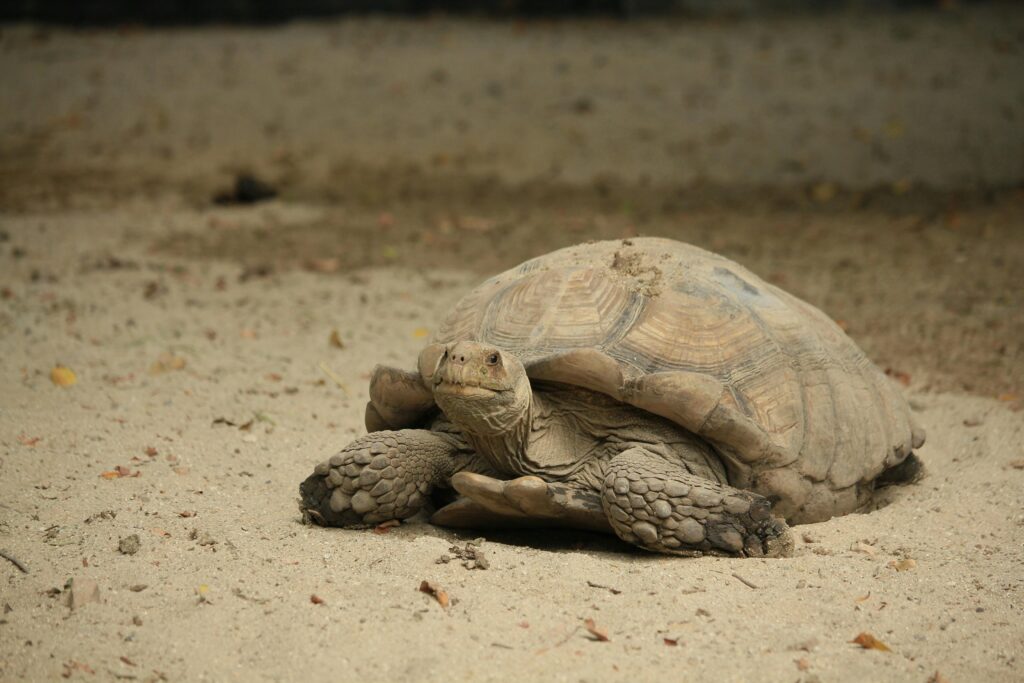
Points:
(867, 156)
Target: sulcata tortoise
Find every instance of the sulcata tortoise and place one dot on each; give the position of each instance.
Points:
(644, 387)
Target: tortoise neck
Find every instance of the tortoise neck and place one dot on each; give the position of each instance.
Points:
(504, 446)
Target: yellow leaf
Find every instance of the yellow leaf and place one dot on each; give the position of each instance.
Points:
(823, 192)
(62, 376)
(894, 128)
(869, 642)
(166, 363)
(421, 332)
(902, 186)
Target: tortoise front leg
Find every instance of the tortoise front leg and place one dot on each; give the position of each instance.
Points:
(381, 476)
(659, 505)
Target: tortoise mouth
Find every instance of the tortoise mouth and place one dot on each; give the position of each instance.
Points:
(467, 388)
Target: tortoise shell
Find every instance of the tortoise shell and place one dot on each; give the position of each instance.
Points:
(795, 409)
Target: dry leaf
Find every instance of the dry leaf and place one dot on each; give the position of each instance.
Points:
(385, 527)
(180, 470)
(670, 641)
(906, 564)
(421, 332)
(63, 376)
(151, 452)
(29, 441)
(937, 677)
(869, 642)
(862, 598)
(324, 265)
(802, 664)
(159, 532)
(120, 472)
(187, 513)
(438, 594)
(898, 375)
(823, 192)
(166, 363)
(1008, 397)
(1017, 464)
(335, 340)
(599, 634)
(862, 547)
(316, 599)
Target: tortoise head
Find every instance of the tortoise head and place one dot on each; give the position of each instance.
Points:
(481, 388)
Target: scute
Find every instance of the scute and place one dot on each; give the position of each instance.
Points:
(768, 379)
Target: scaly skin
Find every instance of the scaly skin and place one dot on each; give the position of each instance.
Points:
(382, 476)
(658, 505)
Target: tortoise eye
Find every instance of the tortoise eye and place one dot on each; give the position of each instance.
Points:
(493, 359)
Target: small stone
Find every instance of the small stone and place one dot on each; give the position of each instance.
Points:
(363, 502)
(645, 532)
(662, 509)
(676, 489)
(82, 592)
(690, 531)
(138, 587)
(129, 545)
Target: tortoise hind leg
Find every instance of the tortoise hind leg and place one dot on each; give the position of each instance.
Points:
(659, 505)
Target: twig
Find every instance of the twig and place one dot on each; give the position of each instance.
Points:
(745, 581)
(613, 591)
(6, 554)
(560, 643)
(337, 380)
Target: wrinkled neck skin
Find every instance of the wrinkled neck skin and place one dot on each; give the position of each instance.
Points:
(497, 428)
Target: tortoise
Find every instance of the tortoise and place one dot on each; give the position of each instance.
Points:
(644, 387)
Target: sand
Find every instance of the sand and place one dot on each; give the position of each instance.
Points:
(207, 385)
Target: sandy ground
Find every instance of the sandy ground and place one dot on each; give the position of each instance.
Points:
(199, 335)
